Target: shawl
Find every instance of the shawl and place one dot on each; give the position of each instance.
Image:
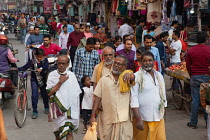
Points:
(99, 71)
(63, 99)
(125, 86)
(141, 83)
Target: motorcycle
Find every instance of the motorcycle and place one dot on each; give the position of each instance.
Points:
(11, 27)
(17, 33)
(6, 89)
(6, 28)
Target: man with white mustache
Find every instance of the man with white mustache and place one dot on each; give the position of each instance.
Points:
(148, 101)
(101, 70)
(116, 119)
(105, 66)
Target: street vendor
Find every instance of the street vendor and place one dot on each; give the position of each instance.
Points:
(197, 63)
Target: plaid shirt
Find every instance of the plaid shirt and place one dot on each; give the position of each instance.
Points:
(84, 63)
(44, 29)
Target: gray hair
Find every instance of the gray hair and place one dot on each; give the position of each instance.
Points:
(107, 48)
(125, 58)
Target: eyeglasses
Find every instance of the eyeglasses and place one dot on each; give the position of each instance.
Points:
(46, 40)
(116, 63)
(108, 54)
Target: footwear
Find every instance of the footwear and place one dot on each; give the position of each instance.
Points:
(189, 124)
(46, 111)
(34, 115)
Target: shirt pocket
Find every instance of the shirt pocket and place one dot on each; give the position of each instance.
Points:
(92, 61)
(82, 60)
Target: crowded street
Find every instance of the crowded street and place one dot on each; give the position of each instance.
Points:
(105, 70)
(41, 129)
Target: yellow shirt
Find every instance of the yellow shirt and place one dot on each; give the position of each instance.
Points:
(116, 105)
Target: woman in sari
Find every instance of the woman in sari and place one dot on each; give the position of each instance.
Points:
(101, 36)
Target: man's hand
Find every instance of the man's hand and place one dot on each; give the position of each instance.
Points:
(13, 69)
(92, 119)
(140, 124)
(39, 70)
(128, 77)
(63, 78)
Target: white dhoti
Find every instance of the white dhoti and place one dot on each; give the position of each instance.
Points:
(64, 105)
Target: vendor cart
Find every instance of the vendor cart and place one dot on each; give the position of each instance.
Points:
(180, 89)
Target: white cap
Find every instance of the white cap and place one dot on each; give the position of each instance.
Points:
(88, 24)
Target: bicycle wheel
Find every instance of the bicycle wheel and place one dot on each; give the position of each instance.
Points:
(20, 111)
(177, 93)
(188, 98)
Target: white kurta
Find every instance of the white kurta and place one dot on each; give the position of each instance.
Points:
(149, 100)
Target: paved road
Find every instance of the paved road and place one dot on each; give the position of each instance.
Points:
(41, 129)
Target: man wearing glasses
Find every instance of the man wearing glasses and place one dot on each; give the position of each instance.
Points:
(74, 40)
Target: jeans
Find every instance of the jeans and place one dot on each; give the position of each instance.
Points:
(195, 82)
(22, 35)
(35, 95)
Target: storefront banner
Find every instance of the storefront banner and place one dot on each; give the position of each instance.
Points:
(203, 4)
(47, 6)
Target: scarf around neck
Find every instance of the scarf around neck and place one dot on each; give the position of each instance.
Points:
(141, 83)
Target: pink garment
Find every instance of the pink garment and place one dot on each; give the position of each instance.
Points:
(88, 35)
(100, 51)
(143, 12)
(11, 57)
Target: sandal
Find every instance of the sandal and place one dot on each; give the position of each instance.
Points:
(189, 124)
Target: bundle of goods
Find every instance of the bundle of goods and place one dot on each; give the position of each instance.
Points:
(181, 67)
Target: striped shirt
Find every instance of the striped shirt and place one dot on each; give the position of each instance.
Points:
(84, 63)
(148, 100)
(44, 29)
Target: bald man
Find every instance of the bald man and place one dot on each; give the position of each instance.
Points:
(74, 40)
(63, 90)
(101, 70)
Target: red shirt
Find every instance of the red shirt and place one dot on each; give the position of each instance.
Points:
(198, 60)
(74, 39)
(54, 25)
(53, 49)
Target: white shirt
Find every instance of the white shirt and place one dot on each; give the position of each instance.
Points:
(177, 45)
(87, 101)
(149, 100)
(125, 29)
(26, 38)
(63, 39)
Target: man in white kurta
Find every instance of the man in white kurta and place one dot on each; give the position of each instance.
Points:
(148, 100)
(64, 90)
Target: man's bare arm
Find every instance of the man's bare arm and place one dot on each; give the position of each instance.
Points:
(96, 104)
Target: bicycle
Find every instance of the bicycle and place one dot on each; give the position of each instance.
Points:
(21, 102)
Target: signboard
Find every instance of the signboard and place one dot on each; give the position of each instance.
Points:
(47, 6)
(203, 4)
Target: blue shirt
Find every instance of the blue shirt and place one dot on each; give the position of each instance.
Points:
(84, 63)
(156, 54)
(162, 51)
(70, 28)
(35, 39)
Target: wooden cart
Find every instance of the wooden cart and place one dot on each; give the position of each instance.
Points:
(180, 89)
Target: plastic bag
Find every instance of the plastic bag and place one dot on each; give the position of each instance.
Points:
(91, 132)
